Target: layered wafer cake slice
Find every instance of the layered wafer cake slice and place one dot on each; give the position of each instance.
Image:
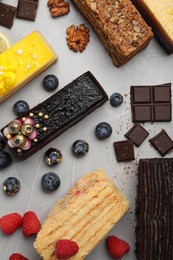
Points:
(159, 15)
(85, 215)
(154, 209)
(120, 27)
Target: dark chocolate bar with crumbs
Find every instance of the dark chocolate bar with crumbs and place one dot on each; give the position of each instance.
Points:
(53, 116)
(154, 209)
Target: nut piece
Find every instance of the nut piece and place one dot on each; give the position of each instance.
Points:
(58, 7)
(77, 37)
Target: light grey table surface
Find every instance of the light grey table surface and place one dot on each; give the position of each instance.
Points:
(151, 66)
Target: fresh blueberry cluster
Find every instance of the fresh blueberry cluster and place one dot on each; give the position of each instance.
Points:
(11, 186)
(80, 148)
(116, 99)
(5, 159)
(50, 182)
(52, 157)
(50, 82)
(103, 130)
(20, 108)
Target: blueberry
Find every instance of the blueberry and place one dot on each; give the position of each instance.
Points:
(11, 186)
(2, 142)
(50, 182)
(50, 82)
(20, 108)
(53, 156)
(80, 148)
(103, 130)
(116, 99)
(5, 159)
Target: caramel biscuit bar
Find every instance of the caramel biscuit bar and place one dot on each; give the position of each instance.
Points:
(159, 15)
(85, 215)
(120, 27)
(154, 209)
(53, 116)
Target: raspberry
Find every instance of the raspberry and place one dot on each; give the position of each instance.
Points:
(17, 256)
(10, 223)
(66, 248)
(31, 224)
(116, 247)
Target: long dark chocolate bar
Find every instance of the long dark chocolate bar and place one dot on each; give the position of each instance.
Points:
(55, 115)
(154, 209)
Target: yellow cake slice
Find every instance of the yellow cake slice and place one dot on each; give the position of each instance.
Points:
(24, 61)
(85, 215)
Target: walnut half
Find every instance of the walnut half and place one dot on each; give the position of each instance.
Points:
(77, 37)
(58, 7)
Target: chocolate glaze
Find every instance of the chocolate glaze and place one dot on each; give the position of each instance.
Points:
(154, 209)
(64, 109)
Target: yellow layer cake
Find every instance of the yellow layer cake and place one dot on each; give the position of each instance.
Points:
(24, 61)
(159, 15)
(85, 215)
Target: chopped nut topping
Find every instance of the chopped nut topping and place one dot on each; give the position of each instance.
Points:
(58, 7)
(77, 37)
(121, 21)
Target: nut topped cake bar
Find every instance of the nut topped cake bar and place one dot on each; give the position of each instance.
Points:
(154, 209)
(85, 215)
(120, 27)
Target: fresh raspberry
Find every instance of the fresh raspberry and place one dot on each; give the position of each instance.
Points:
(66, 248)
(31, 224)
(17, 256)
(10, 223)
(116, 247)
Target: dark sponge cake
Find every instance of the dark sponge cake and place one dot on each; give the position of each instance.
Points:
(154, 209)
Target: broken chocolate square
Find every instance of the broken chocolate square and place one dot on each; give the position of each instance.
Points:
(137, 134)
(151, 103)
(162, 142)
(7, 15)
(124, 150)
(27, 9)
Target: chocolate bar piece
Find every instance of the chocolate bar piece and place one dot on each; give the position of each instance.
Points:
(120, 27)
(53, 116)
(158, 15)
(124, 150)
(7, 15)
(137, 134)
(162, 142)
(27, 9)
(154, 209)
(151, 103)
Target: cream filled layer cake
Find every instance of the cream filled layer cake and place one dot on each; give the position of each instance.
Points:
(85, 215)
(159, 15)
(23, 62)
(120, 27)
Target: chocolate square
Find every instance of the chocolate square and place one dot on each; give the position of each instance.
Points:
(27, 9)
(124, 150)
(142, 94)
(162, 142)
(7, 15)
(137, 134)
(151, 103)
